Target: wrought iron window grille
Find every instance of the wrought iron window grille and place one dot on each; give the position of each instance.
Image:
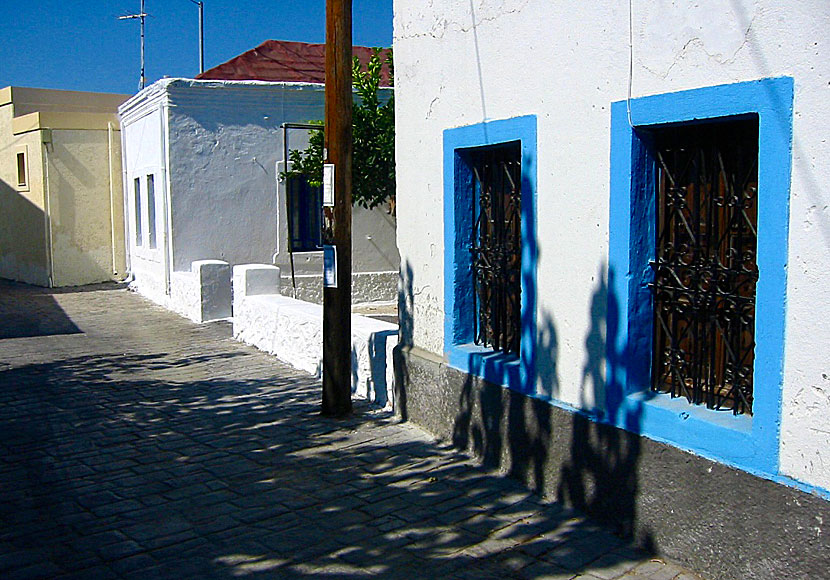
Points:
(496, 246)
(705, 270)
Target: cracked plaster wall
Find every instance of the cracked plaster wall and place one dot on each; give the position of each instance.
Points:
(460, 63)
(225, 141)
(215, 149)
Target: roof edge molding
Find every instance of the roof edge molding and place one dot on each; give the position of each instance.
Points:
(64, 121)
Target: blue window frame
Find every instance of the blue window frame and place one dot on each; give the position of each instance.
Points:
(749, 442)
(510, 370)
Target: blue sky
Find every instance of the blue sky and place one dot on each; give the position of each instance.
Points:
(81, 44)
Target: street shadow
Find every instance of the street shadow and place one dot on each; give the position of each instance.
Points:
(525, 434)
(16, 319)
(168, 466)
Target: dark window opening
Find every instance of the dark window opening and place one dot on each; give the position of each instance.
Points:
(151, 211)
(705, 269)
(305, 211)
(137, 194)
(497, 245)
(21, 170)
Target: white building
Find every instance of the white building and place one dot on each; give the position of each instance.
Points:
(671, 238)
(201, 171)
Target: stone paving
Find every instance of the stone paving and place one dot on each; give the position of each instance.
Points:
(134, 444)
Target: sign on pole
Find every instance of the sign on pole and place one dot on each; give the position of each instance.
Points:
(330, 266)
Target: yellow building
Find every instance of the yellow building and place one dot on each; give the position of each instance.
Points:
(61, 201)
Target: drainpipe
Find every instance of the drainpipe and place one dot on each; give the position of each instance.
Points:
(128, 265)
(112, 204)
(47, 214)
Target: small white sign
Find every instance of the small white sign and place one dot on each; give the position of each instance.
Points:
(330, 266)
(328, 184)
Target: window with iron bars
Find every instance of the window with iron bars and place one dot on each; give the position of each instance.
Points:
(705, 269)
(496, 245)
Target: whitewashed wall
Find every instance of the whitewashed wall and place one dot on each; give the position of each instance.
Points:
(144, 152)
(219, 146)
(459, 63)
(225, 140)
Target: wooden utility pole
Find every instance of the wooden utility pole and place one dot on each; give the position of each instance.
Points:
(337, 320)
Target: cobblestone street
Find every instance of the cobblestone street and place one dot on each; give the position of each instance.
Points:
(135, 444)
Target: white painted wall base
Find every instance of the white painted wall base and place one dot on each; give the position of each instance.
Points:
(184, 295)
(292, 330)
(256, 279)
(366, 286)
(214, 277)
(203, 294)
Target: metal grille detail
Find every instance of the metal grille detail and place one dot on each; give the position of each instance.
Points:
(497, 246)
(705, 270)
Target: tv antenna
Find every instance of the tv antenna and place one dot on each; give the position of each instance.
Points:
(201, 6)
(141, 16)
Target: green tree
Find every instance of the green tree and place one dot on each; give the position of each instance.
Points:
(373, 138)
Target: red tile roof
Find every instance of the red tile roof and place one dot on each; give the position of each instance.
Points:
(284, 61)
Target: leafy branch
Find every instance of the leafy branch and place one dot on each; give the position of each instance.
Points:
(373, 139)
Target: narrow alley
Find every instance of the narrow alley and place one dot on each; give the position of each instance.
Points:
(135, 444)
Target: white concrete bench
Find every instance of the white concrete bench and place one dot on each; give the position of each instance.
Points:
(204, 293)
(256, 279)
(292, 331)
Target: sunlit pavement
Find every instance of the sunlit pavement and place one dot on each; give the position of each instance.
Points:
(135, 444)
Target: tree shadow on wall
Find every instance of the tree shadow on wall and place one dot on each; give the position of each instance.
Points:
(506, 429)
(406, 328)
(600, 475)
(581, 458)
(523, 434)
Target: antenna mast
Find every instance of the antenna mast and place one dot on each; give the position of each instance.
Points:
(201, 6)
(141, 15)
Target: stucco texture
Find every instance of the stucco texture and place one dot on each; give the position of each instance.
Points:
(215, 149)
(460, 64)
(65, 227)
(81, 184)
(23, 248)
